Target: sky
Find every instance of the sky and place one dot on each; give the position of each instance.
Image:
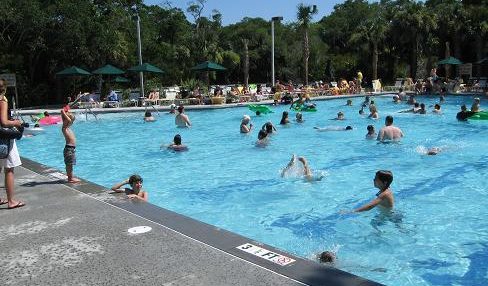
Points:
(234, 11)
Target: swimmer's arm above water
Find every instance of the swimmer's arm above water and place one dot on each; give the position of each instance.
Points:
(368, 206)
(117, 187)
(141, 196)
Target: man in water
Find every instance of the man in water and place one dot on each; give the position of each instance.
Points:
(464, 114)
(389, 132)
(182, 120)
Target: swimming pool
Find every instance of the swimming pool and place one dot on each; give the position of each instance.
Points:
(438, 235)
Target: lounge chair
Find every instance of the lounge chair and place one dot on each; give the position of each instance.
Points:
(398, 84)
(377, 85)
(169, 96)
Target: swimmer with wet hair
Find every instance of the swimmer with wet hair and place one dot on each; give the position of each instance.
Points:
(177, 145)
(135, 191)
(371, 132)
(437, 109)
(373, 112)
(262, 139)
(333, 128)
(349, 102)
(422, 109)
(284, 118)
(258, 113)
(384, 198)
(428, 151)
(148, 117)
(268, 127)
(340, 116)
(327, 257)
(299, 117)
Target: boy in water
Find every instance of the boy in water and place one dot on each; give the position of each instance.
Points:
(135, 192)
(371, 132)
(327, 257)
(177, 145)
(262, 138)
(148, 117)
(70, 147)
(384, 198)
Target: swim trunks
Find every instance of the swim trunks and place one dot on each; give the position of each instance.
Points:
(69, 153)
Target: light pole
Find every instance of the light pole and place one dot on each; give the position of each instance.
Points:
(139, 48)
(279, 18)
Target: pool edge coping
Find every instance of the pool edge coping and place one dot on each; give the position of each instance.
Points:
(302, 270)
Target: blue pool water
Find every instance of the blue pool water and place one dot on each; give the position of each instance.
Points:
(437, 236)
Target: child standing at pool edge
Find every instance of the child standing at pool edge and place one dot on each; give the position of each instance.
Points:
(70, 147)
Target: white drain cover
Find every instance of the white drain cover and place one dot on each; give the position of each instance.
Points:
(139, 229)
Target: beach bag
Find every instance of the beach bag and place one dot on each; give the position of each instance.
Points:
(11, 133)
(4, 148)
(6, 136)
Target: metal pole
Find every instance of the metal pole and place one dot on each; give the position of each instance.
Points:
(139, 50)
(272, 48)
(272, 54)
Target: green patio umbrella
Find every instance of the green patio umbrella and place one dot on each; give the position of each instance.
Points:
(146, 67)
(450, 61)
(208, 66)
(121, 79)
(73, 71)
(109, 70)
(482, 61)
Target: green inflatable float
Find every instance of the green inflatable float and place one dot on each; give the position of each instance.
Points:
(261, 108)
(303, 107)
(482, 115)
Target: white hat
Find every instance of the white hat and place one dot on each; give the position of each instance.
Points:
(246, 118)
(172, 106)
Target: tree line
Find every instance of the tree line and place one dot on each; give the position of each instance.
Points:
(385, 39)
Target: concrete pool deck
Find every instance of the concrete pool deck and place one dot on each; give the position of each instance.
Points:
(78, 235)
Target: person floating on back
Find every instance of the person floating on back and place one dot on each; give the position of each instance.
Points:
(333, 128)
(135, 192)
(69, 151)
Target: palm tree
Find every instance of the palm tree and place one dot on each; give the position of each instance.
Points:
(304, 16)
(373, 31)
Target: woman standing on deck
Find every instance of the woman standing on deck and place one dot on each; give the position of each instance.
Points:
(13, 158)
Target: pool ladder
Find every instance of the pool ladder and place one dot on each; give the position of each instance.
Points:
(89, 110)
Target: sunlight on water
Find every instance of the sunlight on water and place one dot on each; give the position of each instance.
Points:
(437, 235)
